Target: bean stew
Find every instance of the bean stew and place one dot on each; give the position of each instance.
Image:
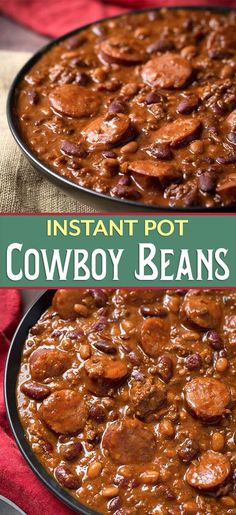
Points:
(140, 107)
(127, 398)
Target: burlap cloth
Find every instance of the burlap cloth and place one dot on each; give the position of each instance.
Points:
(22, 188)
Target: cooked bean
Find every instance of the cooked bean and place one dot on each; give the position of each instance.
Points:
(71, 450)
(66, 478)
(94, 470)
(194, 361)
(188, 450)
(218, 442)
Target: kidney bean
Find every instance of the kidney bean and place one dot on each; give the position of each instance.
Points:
(152, 98)
(187, 104)
(206, 182)
(147, 311)
(214, 340)
(161, 45)
(57, 333)
(114, 504)
(226, 160)
(75, 41)
(136, 374)
(71, 450)
(105, 346)
(73, 149)
(188, 450)
(66, 478)
(99, 325)
(82, 78)
(33, 97)
(121, 481)
(127, 193)
(35, 391)
(98, 413)
(125, 180)
(100, 298)
(160, 151)
(109, 154)
(188, 24)
(116, 107)
(37, 329)
(232, 137)
(164, 368)
(134, 358)
(193, 361)
(73, 335)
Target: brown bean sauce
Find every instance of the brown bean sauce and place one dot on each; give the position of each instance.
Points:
(127, 397)
(140, 107)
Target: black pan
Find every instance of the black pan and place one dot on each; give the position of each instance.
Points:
(99, 201)
(11, 372)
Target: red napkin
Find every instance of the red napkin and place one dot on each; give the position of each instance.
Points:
(17, 482)
(55, 17)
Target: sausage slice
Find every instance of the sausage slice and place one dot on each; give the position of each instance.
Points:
(105, 368)
(65, 300)
(129, 441)
(103, 133)
(201, 309)
(64, 412)
(116, 50)
(154, 332)
(46, 362)
(207, 398)
(209, 472)
(163, 171)
(167, 71)
(74, 100)
(178, 133)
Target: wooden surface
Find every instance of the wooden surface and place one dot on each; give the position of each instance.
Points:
(17, 37)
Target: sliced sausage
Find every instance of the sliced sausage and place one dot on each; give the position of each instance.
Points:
(207, 398)
(106, 369)
(154, 333)
(64, 411)
(116, 50)
(167, 71)
(231, 119)
(35, 391)
(201, 309)
(46, 362)
(226, 188)
(74, 100)
(162, 171)
(221, 42)
(178, 133)
(129, 441)
(65, 300)
(109, 132)
(147, 397)
(209, 472)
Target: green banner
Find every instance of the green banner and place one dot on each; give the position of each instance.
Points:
(114, 250)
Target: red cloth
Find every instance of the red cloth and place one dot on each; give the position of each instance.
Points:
(55, 17)
(17, 481)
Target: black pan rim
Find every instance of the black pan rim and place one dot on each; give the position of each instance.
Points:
(62, 181)
(10, 376)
